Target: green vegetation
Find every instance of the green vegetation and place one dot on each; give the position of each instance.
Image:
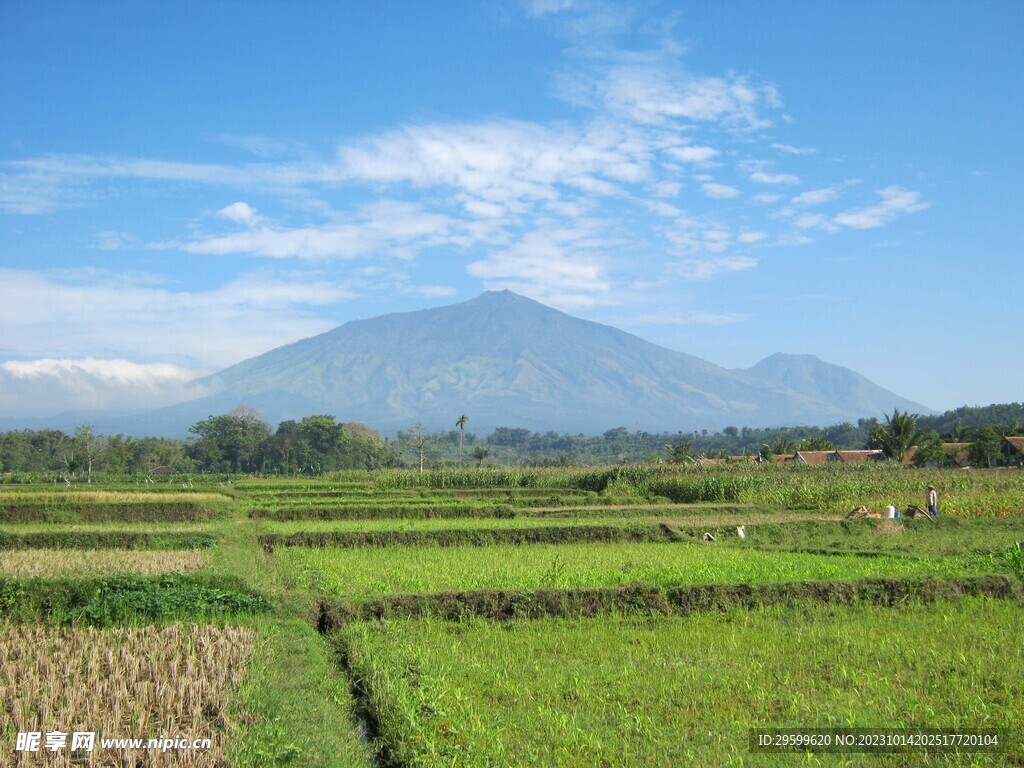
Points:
(362, 573)
(125, 598)
(472, 566)
(671, 691)
(240, 441)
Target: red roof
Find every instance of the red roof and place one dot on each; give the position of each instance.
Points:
(1017, 443)
(816, 457)
(859, 457)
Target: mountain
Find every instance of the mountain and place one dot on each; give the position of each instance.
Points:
(825, 382)
(505, 360)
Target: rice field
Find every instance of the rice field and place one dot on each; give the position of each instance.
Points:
(132, 682)
(367, 573)
(688, 691)
(63, 563)
(263, 643)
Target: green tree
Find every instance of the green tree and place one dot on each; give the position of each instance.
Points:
(897, 436)
(233, 442)
(480, 453)
(816, 443)
(986, 445)
(930, 451)
(461, 424)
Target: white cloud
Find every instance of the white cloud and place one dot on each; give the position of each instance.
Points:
(381, 229)
(762, 177)
(113, 241)
(654, 94)
(36, 388)
(751, 237)
(705, 269)
(514, 164)
(690, 154)
(104, 316)
(240, 213)
(791, 150)
(815, 197)
(896, 201)
(719, 191)
(560, 266)
(767, 197)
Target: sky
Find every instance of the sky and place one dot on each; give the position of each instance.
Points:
(186, 185)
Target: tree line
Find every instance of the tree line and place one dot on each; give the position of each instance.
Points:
(242, 442)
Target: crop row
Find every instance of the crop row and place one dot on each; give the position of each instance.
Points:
(73, 511)
(453, 537)
(79, 539)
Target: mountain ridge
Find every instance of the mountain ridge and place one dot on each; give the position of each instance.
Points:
(518, 362)
(507, 360)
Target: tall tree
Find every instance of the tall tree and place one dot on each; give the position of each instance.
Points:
(418, 440)
(89, 445)
(461, 424)
(897, 436)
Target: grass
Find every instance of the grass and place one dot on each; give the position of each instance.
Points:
(367, 573)
(295, 707)
(133, 682)
(671, 692)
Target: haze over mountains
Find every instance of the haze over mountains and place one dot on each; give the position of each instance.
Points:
(505, 360)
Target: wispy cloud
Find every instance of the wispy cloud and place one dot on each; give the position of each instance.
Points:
(762, 177)
(815, 196)
(789, 149)
(719, 191)
(705, 269)
(896, 201)
(561, 266)
(383, 228)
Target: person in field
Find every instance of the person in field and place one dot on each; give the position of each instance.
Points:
(932, 501)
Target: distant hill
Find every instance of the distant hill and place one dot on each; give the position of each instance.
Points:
(825, 382)
(503, 359)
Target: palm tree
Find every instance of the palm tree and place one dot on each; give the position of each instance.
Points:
(897, 436)
(461, 424)
(480, 453)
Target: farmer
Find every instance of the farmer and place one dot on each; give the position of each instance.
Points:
(932, 501)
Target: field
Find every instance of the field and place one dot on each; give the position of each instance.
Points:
(512, 617)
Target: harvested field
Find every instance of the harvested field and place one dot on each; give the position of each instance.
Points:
(49, 563)
(134, 682)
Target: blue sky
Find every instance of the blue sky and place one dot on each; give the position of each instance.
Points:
(185, 185)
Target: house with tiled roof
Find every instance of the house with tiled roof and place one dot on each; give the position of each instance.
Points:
(1013, 448)
(816, 457)
(860, 457)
